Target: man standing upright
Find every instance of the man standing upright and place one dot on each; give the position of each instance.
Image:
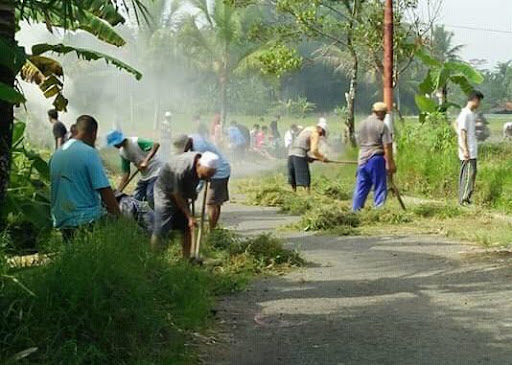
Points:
(78, 181)
(59, 129)
(141, 153)
(376, 159)
(468, 147)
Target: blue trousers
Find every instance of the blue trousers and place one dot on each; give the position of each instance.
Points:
(371, 174)
(144, 191)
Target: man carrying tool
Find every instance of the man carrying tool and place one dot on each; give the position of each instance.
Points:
(376, 159)
(218, 193)
(468, 147)
(305, 149)
(141, 153)
(78, 181)
(176, 184)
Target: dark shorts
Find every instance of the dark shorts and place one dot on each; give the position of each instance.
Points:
(168, 217)
(218, 192)
(298, 171)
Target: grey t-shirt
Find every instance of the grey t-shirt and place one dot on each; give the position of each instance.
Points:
(373, 134)
(178, 176)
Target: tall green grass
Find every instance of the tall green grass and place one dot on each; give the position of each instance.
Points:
(107, 299)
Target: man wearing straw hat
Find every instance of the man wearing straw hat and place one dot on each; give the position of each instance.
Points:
(375, 158)
(175, 186)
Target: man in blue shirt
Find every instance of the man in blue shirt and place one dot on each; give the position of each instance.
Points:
(218, 193)
(78, 181)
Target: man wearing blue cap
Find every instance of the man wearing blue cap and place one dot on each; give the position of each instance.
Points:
(141, 153)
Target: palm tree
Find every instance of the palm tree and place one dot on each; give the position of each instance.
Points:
(95, 17)
(442, 45)
(216, 39)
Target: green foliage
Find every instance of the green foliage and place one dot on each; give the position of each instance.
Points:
(440, 76)
(86, 54)
(26, 211)
(105, 298)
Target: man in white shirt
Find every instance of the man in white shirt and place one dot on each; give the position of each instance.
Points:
(468, 147)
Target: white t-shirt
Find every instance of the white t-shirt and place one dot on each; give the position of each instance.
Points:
(466, 121)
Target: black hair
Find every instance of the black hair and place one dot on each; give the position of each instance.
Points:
(86, 124)
(475, 94)
(53, 113)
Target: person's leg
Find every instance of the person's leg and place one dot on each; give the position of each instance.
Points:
(291, 174)
(302, 172)
(463, 182)
(187, 243)
(379, 180)
(140, 190)
(150, 195)
(472, 179)
(213, 215)
(363, 187)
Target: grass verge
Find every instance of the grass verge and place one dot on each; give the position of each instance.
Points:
(106, 299)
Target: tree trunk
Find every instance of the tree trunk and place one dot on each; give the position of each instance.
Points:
(223, 85)
(351, 101)
(7, 31)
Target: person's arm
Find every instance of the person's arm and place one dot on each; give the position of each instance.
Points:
(465, 144)
(183, 206)
(150, 147)
(315, 147)
(59, 141)
(390, 160)
(108, 198)
(387, 142)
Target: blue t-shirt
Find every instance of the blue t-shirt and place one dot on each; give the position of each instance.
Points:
(202, 145)
(76, 175)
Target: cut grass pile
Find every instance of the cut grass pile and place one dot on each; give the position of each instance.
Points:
(107, 299)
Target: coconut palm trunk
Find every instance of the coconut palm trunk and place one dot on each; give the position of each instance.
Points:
(7, 30)
(352, 93)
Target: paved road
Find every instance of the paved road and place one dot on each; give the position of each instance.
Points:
(369, 300)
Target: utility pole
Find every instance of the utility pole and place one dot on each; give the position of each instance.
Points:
(388, 55)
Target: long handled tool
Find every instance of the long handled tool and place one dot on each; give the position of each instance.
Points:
(395, 191)
(336, 162)
(201, 224)
(130, 180)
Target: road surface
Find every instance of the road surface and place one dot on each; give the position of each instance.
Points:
(368, 300)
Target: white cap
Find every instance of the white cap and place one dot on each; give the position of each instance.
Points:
(209, 160)
(168, 114)
(322, 123)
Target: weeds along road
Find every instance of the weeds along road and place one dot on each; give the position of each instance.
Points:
(368, 300)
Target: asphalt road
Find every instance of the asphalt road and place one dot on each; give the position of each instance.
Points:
(368, 300)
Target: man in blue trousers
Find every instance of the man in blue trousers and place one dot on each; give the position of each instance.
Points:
(375, 158)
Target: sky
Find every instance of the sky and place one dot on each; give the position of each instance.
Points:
(494, 42)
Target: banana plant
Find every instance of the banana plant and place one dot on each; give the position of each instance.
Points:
(440, 76)
(97, 17)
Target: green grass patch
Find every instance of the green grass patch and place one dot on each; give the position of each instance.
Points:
(107, 299)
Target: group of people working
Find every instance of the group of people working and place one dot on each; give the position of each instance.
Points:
(376, 158)
(80, 189)
(81, 194)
